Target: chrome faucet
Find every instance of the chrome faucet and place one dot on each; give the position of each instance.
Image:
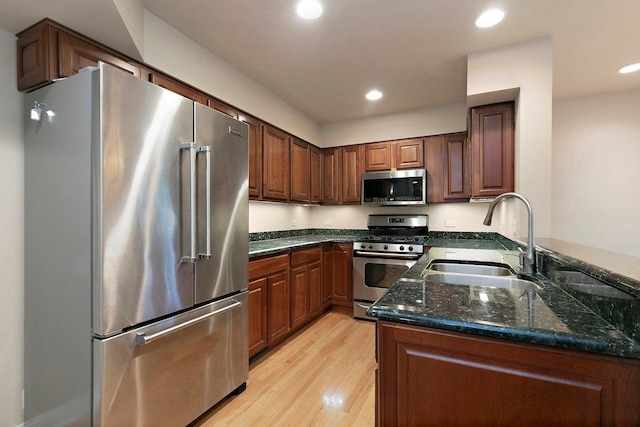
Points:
(528, 260)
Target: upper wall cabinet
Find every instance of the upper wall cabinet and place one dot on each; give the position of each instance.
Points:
(316, 175)
(255, 155)
(300, 171)
(456, 182)
(48, 51)
(275, 164)
(330, 166)
(492, 148)
(351, 173)
(177, 87)
(403, 154)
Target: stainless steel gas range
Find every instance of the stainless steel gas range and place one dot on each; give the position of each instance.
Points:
(393, 246)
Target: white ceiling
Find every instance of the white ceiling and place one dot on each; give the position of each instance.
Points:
(412, 50)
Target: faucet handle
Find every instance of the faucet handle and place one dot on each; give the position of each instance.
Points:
(521, 255)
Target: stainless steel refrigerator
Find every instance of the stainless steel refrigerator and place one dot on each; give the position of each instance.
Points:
(136, 254)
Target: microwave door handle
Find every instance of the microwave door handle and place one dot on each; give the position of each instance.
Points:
(191, 255)
(207, 202)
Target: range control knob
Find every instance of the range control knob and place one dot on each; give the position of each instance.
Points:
(410, 248)
(370, 246)
(386, 247)
(402, 248)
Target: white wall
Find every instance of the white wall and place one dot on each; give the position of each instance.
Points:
(528, 67)
(596, 171)
(174, 53)
(12, 236)
(428, 121)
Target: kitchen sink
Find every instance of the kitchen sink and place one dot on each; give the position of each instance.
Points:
(471, 268)
(505, 282)
(476, 273)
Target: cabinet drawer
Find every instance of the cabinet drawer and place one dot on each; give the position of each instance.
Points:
(306, 256)
(264, 266)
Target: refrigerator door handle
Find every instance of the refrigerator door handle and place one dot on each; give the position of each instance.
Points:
(141, 338)
(191, 146)
(207, 202)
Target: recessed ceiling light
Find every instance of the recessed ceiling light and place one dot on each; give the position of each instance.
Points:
(489, 18)
(309, 9)
(373, 95)
(631, 68)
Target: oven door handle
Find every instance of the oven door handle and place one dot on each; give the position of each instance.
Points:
(385, 255)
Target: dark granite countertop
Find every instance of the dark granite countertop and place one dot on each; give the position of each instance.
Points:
(602, 320)
(550, 316)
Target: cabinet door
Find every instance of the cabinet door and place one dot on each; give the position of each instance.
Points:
(223, 108)
(434, 163)
(461, 379)
(255, 156)
(177, 87)
(352, 159)
(257, 315)
(76, 53)
(316, 175)
(300, 171)
(377, 156)
(275, 164)
(409, 154)
(327, 274)
(278, 297)
(330, 176)
(315, 298)
(456, 183)
(492, 149)
(342, 274)
(299, 295)
(37, 55)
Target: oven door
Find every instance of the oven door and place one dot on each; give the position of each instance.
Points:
(374, 273)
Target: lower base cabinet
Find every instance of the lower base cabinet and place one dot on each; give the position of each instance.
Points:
(429, 377)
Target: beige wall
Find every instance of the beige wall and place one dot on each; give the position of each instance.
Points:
(596, 171)
(12, 236)
(172, 52)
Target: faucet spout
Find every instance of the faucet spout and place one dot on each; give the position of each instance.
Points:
(527, 260)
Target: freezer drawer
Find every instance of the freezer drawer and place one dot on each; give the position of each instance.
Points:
(170, 372)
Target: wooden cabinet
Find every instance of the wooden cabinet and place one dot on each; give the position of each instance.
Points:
(448, 168)
(270, 274)
(300, 171)
(48, 51)
(255, 155)
(492, 148)
(327, 274)
(432, 377)
(403, 154)
(352, 158)
(341, 291)
(177, 87)
(306, 285)
(456, 167)
(258, 333)
(330, 176)
(316, 175)
(223, 108)
(275, 164)
(378, 156)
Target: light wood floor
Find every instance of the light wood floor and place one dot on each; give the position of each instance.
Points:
(322, 376)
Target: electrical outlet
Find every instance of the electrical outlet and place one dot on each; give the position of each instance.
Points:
(328, 222)
(294, 223)
(450, 223)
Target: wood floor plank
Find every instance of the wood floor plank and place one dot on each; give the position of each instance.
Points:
(322, 376)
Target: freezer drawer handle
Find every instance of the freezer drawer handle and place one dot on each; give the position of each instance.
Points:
(207, 202)
(142, 339)
(191, 256)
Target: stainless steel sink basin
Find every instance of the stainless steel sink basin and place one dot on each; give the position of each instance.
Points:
(471, 268)
(505, 282)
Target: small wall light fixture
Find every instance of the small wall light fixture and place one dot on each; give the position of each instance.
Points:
(38, 108)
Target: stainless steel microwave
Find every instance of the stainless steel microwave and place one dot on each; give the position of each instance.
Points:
(406, 187)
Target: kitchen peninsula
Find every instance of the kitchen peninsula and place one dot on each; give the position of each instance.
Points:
(518, 355)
